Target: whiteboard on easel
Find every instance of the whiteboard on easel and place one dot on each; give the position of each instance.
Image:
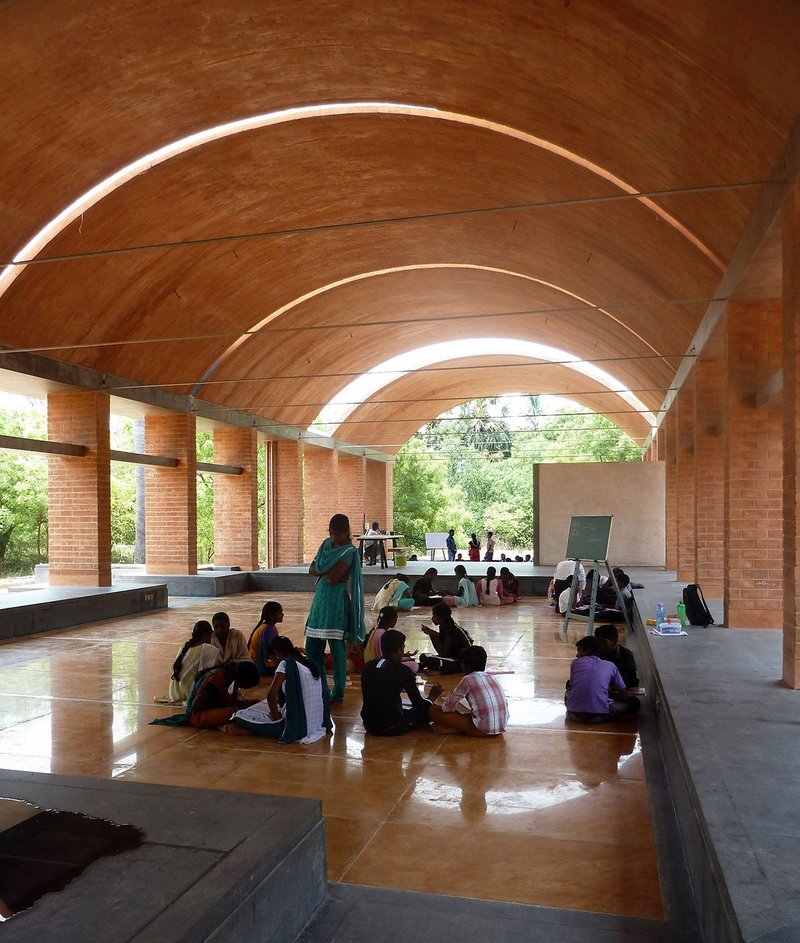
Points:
(589, 536)
(435, 540)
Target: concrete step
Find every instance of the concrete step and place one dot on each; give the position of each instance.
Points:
(356, 914)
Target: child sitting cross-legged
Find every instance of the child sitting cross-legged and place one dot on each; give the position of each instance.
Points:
(596, 690)
(477, 706)
(387, 619)
(449, 640)
(383, 682)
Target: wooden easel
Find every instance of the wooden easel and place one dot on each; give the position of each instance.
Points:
(570, 616)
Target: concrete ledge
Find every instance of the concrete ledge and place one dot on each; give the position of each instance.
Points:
(41, 610)
(357, 914)
(204, 583)
(214, 865)
(726, 727)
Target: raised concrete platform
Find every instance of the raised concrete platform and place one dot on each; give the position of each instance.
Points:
(220, 581)
(214, 866)
(356, 914)
(40, 610)
(533, 580)
(728, 733)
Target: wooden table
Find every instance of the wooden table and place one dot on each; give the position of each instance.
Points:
(380, 539)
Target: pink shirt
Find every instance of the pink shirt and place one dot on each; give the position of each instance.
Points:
(486, 699)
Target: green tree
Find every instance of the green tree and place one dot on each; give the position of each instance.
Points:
(205, 500)
(422, 495)
(23, 497)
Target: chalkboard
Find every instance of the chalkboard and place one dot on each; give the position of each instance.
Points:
(588, 537)
(435, 541)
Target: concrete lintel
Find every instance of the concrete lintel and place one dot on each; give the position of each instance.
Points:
(215, 469)
(13, 443)
(768, 389)
(139, 458)
(52, 374)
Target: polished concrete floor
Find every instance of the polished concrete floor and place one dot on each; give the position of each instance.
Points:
(550, 813)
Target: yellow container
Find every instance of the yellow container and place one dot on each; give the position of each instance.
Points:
(400, 560)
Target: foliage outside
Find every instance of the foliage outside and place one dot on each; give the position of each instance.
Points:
(23, 496)
(472, 470)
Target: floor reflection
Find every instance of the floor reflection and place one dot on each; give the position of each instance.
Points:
(532, 808)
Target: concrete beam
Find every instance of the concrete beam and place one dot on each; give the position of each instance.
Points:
(139, 458)
(55, 374)
(214, 469)
(12, 443)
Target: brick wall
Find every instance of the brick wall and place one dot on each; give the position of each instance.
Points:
(79, 491)
(389, 473)
(670, 454)
(753, 587)
(171, 494)
(236, 499)
(709, 471)
(320, 495)
(375, 495)
(685, 484)
(285, 513)
(352, 489)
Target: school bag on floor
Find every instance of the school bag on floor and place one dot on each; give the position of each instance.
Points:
(696, 609)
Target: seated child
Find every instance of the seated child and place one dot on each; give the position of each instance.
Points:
(563, 596)
(384, 594)
(402, 598)
(382, 683)
(488, 707)
(490, 590)
(510, 583)
(466, 594)
(424, 592)
(611, 650)
(449, 642)
(262, 637)
(230, 642)
(195, 656)
(596, 691)
(295, 709)
(387, 619)
(214, 699)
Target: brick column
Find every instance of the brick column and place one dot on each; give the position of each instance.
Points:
(284, 483)
(389, 489)
(791, 439)
(320, 495)
(352, 489)
(79, 491)
(709, 475)
(375, 496)
(171, 494)
(753, 471)
(236, 498)
(686, 536)
(670, 452)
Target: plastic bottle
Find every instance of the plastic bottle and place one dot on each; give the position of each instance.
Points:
(681, 610)
(660, 615)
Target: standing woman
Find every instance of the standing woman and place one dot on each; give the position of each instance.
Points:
(335, 615)
(474, 548)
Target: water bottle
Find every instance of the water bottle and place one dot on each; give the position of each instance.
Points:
(681, 610)
(660, 614)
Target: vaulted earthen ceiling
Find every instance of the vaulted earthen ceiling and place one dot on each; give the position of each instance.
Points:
(360, 247)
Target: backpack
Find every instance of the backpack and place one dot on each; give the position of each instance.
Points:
(696, 609)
